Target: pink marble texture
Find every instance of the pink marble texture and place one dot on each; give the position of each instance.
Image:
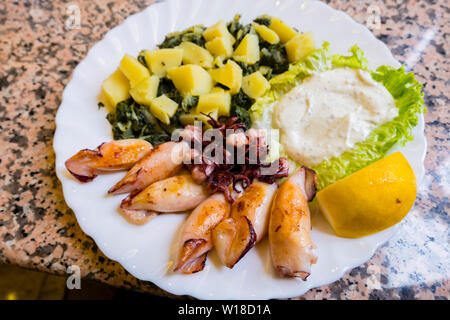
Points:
(39, 231)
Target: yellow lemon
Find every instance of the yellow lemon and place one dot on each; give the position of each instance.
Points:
(371, 199)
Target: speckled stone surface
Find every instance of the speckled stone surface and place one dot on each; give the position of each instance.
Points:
(39, 231)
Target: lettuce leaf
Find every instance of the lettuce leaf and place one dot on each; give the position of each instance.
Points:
(355, 61)
(404, 88)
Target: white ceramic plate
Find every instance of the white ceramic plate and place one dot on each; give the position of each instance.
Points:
(147, 251)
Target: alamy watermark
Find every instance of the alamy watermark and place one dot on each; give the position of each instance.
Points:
(74, 279)
(373, 20)
(73, 20)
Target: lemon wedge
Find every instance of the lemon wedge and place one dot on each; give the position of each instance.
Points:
(371, 199)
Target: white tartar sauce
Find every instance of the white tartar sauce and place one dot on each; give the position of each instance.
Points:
(330, 112)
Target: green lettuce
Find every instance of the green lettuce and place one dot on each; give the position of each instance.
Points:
(404, 88)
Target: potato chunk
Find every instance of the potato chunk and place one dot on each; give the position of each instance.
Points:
(218, 30)
(218, 89)
(145, 90)
(266, 33)
(230, 75)
(194, 54)
(163, 108)
(133, 69)
(191, 79)
(285, 32)
(116, 88)
(218, 61)
(255, 85)
(162, 60)
(220, 47)
(248, 50)
(300, 46)
(220, 101)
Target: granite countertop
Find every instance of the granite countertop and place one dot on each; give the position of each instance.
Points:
(37, 229)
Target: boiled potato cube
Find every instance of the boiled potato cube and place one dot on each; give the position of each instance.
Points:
(218, 61)
(220, 47)
(232, 39)
(191, 79)
(145, 90)
(116, 88)
(133, 69)
(255, 85)
(163, 108)
(218, 89)
(285, 32)
(230, 75)
(248, 50)
(220, 101)
(266, 33)
(300, 46)
(162, 60)
(194, 54)
(218, 30)
(190, 118)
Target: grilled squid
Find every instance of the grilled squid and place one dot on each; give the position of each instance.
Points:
(247, 224)
(291, 247)
(109, 156)
(174, 194)
(138, 217)
(195, 238)
(161, 162)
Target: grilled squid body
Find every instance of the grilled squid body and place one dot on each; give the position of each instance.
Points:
(174, 194)
(290, 243)
(138, 217)
(247, 223)
(196, 233)
(109, 156)
(161, 162)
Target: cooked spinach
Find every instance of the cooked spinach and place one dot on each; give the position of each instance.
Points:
(239, 30)
(234, 26)
(248, 68)
(141, 58)
(243, 116)
(264, 20)
(266, 72)
(174, 123)
(242, 100)
(194, 37)
(131, 120)
(171, 41)
(275, 57)
(156, 138)
(242, 33)
(240, 103)
(167, 87)
(189, 102)
(193, 34)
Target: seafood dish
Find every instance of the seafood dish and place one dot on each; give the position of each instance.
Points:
(245, 128)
